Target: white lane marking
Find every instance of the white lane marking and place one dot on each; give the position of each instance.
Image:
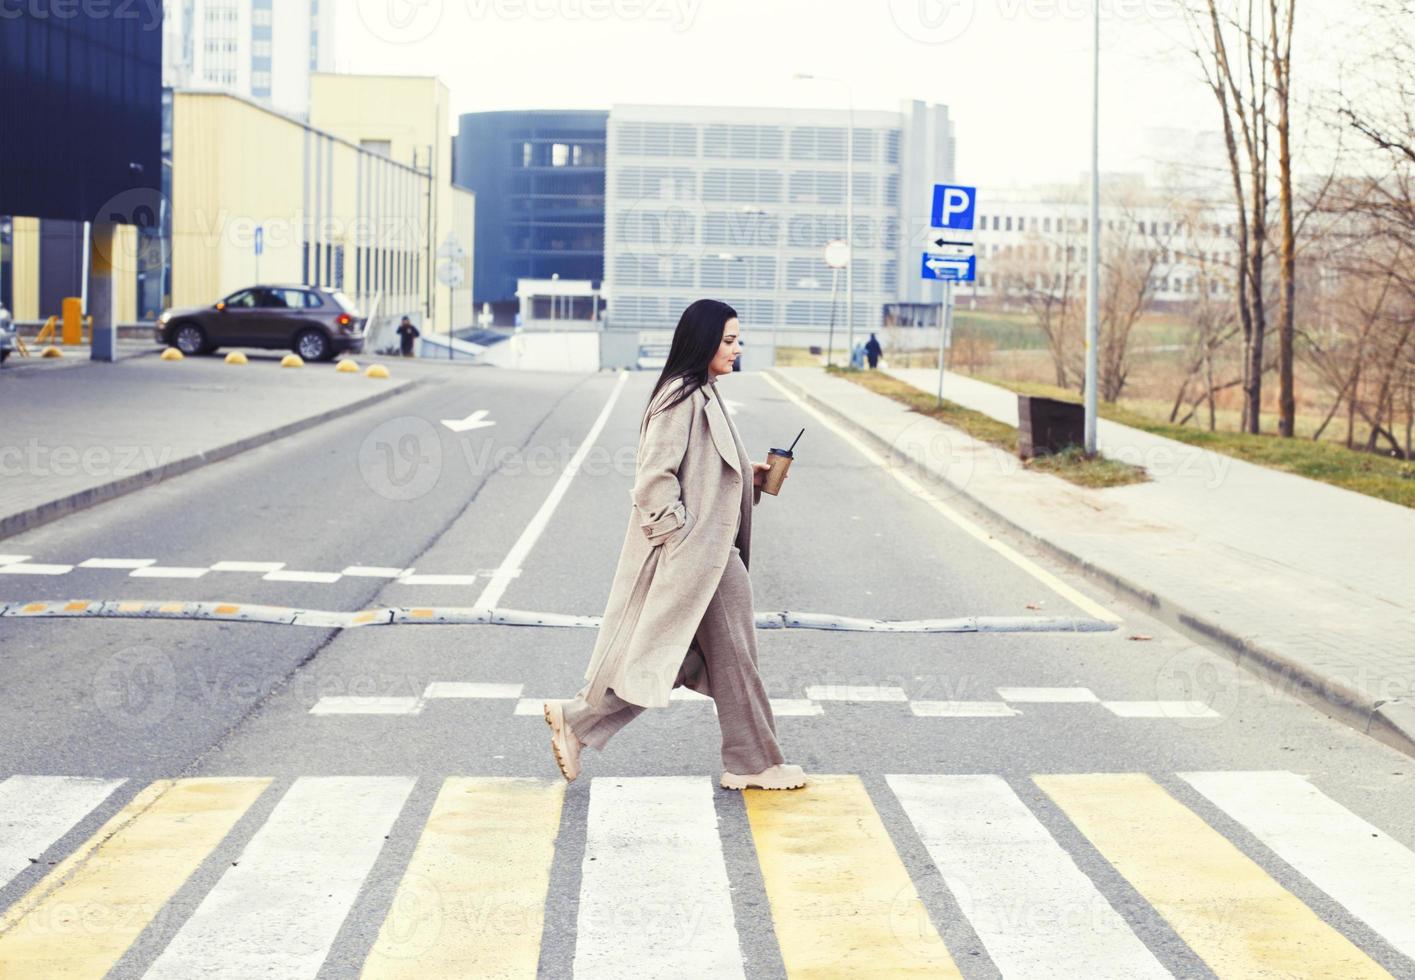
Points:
(435, 580)
(531, 706)
(516, 557)
(247, 566)
(795, 708)
(835, 692)
(24, 569)
(350, 705)
(1160, 709)
(35, 811)
(375, 571)
(277, 910)
(1073, 596)
(477, 420)
(166, 571)
(117, 562)
(287, 575)
(471, 689)
(1033, 909)
(962, 709)
(12, 559)
(686, 694)
(1047, 695)
(653, 888)
(1357, 864)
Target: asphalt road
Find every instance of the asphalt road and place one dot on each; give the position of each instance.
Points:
(1107, 849)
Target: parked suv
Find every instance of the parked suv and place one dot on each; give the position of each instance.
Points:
(315, 322)
(7, 334)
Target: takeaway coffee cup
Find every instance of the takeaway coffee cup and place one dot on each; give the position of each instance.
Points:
(780, 461)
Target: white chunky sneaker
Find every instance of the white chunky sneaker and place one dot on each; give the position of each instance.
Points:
(781, 776)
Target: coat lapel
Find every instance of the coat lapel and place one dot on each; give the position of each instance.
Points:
(721, 432)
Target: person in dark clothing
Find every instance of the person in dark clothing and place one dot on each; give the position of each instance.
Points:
(406, 333)
(873, 351)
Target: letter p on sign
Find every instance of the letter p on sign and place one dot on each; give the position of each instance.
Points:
(953, 207)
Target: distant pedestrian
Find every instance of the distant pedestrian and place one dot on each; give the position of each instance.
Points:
(873, 351)
(680, 610)
(406, 334)
(857, 356)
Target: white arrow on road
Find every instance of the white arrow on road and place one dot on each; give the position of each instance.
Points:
(476, 420)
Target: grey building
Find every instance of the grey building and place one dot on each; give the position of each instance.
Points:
(739, 203)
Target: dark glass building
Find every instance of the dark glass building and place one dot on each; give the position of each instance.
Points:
(81, 118)
(539, 181)
(80, 107)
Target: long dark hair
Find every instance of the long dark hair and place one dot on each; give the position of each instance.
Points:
(696, 340)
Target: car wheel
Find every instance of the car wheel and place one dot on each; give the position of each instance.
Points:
(313, 345)
(189, 338)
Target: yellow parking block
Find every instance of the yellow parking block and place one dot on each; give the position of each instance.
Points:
(841, 899)
(1237, 919)
(84, 915)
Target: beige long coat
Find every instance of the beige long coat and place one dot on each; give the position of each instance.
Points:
(692, 480)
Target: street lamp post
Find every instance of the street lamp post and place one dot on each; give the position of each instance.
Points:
(1093, 256)
(849, 205)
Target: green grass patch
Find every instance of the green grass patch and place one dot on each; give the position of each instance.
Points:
(1073, 465)
(1383, 477)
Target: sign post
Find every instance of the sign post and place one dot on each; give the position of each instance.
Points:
(450, 273)
(950, 257)
(259, 248)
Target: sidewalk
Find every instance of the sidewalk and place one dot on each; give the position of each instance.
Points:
(78, 432)
(1303, 580)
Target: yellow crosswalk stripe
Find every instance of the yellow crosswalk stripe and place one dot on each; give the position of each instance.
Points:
(472, 902)
(1237, 919)
(85, 914)
(841, 899)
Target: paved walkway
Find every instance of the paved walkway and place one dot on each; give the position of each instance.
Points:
(78, 431)
(1308, 579)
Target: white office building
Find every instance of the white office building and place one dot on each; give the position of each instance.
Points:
(259, 49)
(1034, 238)
(738, 204)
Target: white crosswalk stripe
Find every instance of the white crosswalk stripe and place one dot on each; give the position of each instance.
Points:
(1033, 909)
(1354, 862)
(35, 811)
(654, 896)
(658, 897)
(276, 912)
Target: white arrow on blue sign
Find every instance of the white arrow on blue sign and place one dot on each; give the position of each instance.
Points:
(953, 207)
(949, 268)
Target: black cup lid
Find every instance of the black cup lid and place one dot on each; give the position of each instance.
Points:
(783, 452)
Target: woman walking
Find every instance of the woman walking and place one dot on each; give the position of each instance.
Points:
(680, 610)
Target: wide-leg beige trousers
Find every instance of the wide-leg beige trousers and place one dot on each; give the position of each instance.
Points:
(725, 647)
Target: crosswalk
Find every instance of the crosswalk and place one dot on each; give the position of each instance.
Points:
(1055, 874)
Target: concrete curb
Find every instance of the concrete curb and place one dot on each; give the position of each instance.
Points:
(1389, 721)
(52, 510)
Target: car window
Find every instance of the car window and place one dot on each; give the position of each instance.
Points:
(271, 299)
(309, 300)
(245, 298)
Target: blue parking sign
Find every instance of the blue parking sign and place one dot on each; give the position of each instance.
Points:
(953, 206)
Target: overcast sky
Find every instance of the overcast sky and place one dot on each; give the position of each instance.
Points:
(1014, 73)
